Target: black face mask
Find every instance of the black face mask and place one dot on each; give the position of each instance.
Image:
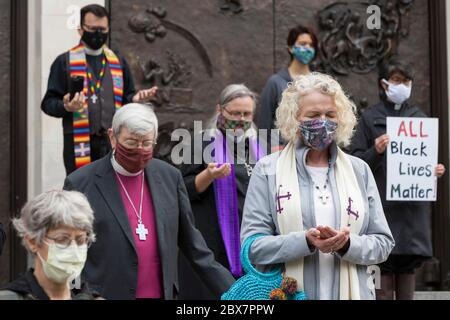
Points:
(94, 40)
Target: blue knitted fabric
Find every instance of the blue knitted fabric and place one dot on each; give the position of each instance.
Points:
(255, 285)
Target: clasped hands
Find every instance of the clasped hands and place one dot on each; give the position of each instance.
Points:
(327, 239)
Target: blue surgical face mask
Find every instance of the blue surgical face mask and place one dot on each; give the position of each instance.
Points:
(303, 54)
(318, 134)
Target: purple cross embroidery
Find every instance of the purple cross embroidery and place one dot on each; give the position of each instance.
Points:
(279, 197)
(350, 211)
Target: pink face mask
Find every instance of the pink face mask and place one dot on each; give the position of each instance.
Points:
(132, 160)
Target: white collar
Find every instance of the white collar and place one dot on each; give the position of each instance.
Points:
(92, 52)
(121, 170)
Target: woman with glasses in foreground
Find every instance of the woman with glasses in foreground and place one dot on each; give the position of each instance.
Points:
(57, 228)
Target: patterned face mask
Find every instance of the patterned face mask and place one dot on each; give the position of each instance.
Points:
(318, 134)
(303, 54)
(224, 124)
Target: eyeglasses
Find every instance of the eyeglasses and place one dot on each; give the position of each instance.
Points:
(95, 29)
(64, 242)
(399, 80)
(240, 115)
(133, 144)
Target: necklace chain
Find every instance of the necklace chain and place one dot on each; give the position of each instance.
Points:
(138, 214)
(322, 195)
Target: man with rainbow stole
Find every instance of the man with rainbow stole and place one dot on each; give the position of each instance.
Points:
(108, 84)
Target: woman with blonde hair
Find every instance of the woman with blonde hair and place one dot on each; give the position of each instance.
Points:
(317, 207)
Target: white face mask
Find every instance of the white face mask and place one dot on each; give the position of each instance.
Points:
(397, 93)
(64, 265)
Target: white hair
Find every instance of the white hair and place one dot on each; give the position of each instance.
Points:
(291, 103)
(139, 119)
(54, 209)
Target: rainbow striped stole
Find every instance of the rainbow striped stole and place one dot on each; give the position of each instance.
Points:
(78, 67)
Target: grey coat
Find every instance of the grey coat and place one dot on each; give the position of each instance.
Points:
(370, 247)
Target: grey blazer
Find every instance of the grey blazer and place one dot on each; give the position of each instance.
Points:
(112, 262)
(371, 246)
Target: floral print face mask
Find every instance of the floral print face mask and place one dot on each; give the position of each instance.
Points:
(318, 134)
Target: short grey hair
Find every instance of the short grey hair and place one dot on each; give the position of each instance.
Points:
(54, 209)
(139, 119)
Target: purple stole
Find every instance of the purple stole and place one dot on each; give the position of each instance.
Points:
(225, 192)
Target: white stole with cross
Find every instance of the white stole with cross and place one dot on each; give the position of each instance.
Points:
(290, 217)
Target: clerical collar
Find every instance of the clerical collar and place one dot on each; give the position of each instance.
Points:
(121, 170)
(91, 52)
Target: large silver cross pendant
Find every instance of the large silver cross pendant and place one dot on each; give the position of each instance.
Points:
(142, 231)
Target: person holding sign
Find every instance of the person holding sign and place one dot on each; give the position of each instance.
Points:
(408, 220)
(318, 207)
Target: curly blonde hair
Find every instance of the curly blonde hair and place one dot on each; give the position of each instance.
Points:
(291, 102)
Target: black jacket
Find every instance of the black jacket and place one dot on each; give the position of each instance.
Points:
(204, 204)
(26, 287)
(58, 86)
(112, 262)
(206, 220)
(409, 221)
